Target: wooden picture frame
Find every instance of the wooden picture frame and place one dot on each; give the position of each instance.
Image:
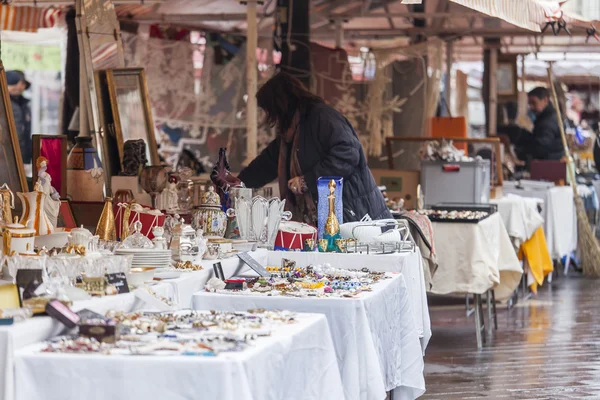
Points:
(66, 217)
(506, 79)
(12, 171)
(131, 110)
(58, 182)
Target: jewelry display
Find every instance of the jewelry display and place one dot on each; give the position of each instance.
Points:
(312, 281)
(187, 333)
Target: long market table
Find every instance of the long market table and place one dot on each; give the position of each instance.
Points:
(297, 362)
(375, 335)
(475, 258)
(182, 289)
(41, 328)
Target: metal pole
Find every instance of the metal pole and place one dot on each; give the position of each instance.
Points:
(449, 62)
(493, 103)
(251, 82)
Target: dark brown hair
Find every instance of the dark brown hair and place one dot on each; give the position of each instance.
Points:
(281, 96)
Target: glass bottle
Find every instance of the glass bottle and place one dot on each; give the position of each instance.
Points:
(332, 225)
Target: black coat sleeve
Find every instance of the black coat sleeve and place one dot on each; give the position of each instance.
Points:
(263, 169)
(339, 142)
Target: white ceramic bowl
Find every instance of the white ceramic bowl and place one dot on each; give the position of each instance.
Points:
(139, 276)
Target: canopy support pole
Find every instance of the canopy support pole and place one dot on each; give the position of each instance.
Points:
(523, 73)
(449, 62)
(339, 34)
(251, 83)
(493, 82)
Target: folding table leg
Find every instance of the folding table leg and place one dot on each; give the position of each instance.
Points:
(494, 309)
(481, 316)
(478, 325)
(488, 304)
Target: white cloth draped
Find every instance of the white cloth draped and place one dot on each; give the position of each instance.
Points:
(474, 258)
(297, 362)
(409, 264)
(375, 339)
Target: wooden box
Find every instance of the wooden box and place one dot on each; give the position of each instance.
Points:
(400, 184)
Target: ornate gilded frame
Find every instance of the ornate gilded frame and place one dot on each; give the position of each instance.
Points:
(112, 76)
(8, 123)
(98, 31)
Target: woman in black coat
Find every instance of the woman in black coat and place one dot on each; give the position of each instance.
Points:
(313, 140)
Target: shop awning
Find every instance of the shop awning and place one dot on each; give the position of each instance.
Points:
(28, 19)
(527, 14)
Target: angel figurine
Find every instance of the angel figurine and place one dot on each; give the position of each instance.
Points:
(172, 195)
(44, 185)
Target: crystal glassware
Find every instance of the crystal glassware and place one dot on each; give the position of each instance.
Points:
(153, 180)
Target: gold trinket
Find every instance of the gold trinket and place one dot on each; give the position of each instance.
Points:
(105, 229)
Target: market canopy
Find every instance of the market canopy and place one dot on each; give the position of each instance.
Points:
(370, 23)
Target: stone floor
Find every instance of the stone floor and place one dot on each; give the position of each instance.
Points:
(545, 348)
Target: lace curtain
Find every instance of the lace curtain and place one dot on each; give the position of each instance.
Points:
(200, 115)
(206, 113)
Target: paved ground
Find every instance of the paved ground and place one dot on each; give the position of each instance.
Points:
(545, 348)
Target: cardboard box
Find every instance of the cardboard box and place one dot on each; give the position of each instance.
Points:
(400, 184)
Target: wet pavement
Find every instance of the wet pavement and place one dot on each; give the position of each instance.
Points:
(547, 347)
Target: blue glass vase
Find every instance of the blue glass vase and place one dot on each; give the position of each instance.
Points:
(323, 202)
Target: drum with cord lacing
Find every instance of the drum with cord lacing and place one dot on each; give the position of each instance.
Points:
(292, 235)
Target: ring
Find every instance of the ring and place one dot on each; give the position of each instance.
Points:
(295, 188)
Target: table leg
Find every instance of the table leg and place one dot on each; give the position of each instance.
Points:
(478, 324)
(494, 309)
(488, 301)
(481, 316)
(469, 311)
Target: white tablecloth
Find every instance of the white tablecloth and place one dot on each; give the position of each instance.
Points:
(375, 339)
(296, 363)
(474, 258)
(36, 329)
(191, 282)
(560, 217)
(409, 264)
(520, 216)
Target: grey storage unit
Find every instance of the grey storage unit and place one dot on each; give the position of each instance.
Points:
(455, 182)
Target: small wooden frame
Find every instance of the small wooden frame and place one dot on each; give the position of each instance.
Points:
(131, 110)
(12, 171)
(494, 141)
(53, 159)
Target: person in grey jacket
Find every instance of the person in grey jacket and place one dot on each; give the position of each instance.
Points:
(21, 112)
(313, 140)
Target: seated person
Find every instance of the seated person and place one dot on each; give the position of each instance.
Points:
(545, 142)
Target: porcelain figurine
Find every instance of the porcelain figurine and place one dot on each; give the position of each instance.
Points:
(44, 185)
(8, 203)
(172, 202)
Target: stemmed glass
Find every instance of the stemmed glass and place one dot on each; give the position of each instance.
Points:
(153, 180)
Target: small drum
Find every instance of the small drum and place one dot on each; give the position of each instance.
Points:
(292, 235)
